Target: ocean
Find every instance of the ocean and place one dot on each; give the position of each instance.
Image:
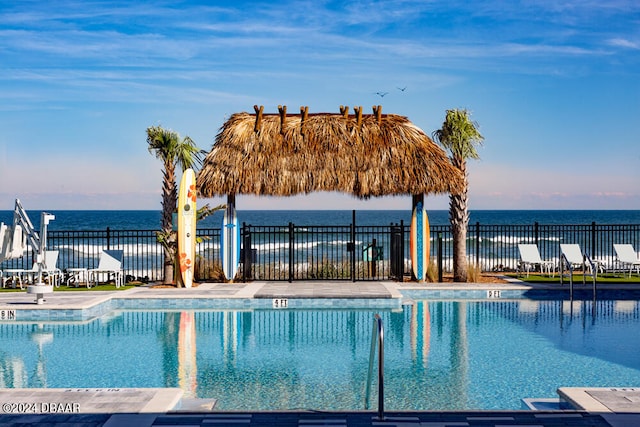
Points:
(67, 220)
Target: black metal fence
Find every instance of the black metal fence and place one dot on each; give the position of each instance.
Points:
(338, 252)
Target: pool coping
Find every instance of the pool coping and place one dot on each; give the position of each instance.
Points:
(602, 399)
(619, 406)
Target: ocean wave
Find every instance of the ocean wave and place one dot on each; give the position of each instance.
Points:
(509, 240)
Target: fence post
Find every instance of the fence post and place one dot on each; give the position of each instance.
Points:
(247, 259)
(353, 245)
(291, 250)
(374, 259)
(401, 250)
(396, 251)
(536, 232)
(439, 257)
(593, 240)
(108, 238)
(477, 244)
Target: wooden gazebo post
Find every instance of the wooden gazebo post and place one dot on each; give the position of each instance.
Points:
(231, 202)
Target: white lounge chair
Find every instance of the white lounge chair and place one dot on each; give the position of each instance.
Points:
(3, 246)
(627, 257)
(13, 244)
(5, 240)
(49, 271)
(572, 257)
(530, 259)
(109, 264)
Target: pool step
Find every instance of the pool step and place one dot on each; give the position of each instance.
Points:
(546, 404)
(195, 405)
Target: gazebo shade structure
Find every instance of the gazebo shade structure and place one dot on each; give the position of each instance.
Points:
(364, 155)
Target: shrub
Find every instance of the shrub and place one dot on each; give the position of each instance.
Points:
(474, 272)
(432, 272)
(206, 269)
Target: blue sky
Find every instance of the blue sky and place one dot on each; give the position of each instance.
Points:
(554, 86)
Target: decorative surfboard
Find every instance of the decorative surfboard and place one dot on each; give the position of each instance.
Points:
(420, 242)
(230, 247)
(187, 226)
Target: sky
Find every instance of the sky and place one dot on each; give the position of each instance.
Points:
(554, 87)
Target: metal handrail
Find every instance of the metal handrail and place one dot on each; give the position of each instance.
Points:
(377, 336)
(593, 267)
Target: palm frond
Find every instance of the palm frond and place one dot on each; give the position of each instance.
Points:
(459, 134)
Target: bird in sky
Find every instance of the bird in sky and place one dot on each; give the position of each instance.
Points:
(402, 89)
(381, 94)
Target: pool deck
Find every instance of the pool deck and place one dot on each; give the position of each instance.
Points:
(616, 407)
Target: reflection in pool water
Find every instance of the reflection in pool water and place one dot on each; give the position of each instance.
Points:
(445, 355)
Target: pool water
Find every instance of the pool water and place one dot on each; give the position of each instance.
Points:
(439, 355)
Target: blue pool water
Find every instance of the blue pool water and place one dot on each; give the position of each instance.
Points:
(440, 355)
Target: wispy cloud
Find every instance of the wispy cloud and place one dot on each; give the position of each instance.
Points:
(625, 43)
(181, 35)
(76, 71)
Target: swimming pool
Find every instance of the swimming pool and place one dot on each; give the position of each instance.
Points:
(439, 354)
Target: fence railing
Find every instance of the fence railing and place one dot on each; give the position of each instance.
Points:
(337, 252)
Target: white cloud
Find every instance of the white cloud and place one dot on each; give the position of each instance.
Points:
(624, 43)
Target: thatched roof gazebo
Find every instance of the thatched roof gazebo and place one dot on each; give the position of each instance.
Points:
(366, 155)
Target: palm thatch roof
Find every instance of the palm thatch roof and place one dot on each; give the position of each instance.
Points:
(364, 155)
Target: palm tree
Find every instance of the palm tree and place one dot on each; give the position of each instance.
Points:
(459, 135)
(172, 151)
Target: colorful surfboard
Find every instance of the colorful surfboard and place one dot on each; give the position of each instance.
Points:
(420, 243)
(187, 226)
(230, 246)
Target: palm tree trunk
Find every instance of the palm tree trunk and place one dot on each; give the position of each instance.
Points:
(168, 271)
(459, 231)
(459, 218)
(169, 201)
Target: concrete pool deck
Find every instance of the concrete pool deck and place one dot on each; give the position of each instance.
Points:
(617, 407)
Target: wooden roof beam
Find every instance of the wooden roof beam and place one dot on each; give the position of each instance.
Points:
(256, 127)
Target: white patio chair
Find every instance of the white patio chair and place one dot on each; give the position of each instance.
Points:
(627, 257)
(13, 243)
(3, 246)
(109, 264)
(50, 271)
(530, 259)
(5, 241)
